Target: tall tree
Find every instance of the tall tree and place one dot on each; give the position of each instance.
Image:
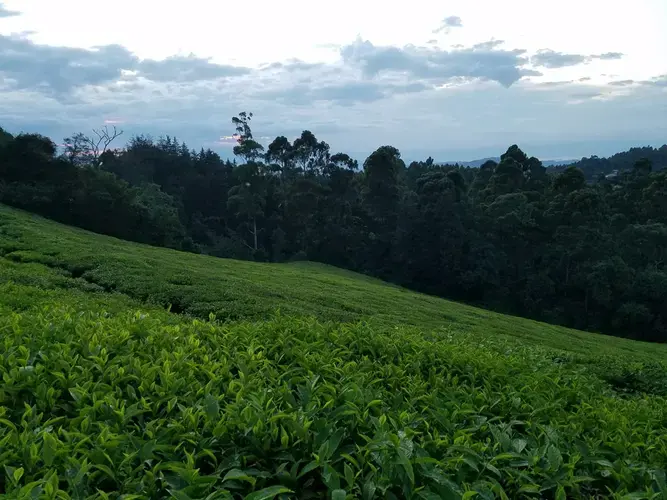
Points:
(280, 152)
(247, 148)
(381, 193)
(246, 200)
(310, 154)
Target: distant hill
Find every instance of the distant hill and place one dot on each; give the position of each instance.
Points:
(594, 166)
(482, 161)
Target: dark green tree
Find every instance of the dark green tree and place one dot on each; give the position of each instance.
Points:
(247, 148)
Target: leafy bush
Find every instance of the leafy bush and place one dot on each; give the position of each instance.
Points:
(95, 403)
(107, 395)
(649, 378)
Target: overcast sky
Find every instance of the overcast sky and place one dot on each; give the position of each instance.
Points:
(454, 80)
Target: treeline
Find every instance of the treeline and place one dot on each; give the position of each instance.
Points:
(597, 169)
(507, 235)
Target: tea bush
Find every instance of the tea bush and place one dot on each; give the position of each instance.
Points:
(105, 394)
(105, 404)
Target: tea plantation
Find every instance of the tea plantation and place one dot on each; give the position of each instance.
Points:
(299, 381)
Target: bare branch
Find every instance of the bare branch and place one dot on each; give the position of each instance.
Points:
(247, 246)
(99, 144)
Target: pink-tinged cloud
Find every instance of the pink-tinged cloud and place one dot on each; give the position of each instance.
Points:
(228, 140)
(113, 122)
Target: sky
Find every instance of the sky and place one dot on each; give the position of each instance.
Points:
(455, 80)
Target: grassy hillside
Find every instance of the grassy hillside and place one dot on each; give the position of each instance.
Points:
(355, 389)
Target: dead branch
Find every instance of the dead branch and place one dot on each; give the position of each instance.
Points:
(100, 143)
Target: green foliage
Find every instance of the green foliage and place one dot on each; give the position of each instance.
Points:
(247, 147)
(101, 403)
(354, 389)
(506, 236)
(5, 137)
(198, 285)
(594, 167)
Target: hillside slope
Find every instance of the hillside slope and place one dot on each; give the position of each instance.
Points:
(232, 290)
(356, 389)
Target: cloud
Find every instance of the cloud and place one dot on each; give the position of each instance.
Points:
(585, 94)
(448, 23)
(345, 93)
(609, 56)
(550, 59)
(4, 12)
(420, 99)
(657, 81)
(488, 45)
(437, 65)
(547, 58)
(555, 83)
(186, 69)
(58, 71)
(621, 83)
(425, 121)
(292, 65)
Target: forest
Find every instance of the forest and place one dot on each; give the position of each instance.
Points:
(573, 245)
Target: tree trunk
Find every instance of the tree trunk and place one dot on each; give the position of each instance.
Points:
(254, 231)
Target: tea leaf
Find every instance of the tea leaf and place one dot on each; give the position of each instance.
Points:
(239, 475)
(338, 495)
(17, 474)
(49, 449)
(211, 407)
(267, 493)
